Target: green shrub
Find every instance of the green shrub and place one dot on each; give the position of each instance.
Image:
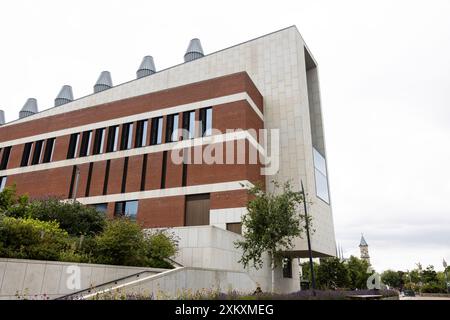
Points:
(9, 200)
(74, 217)
(160, 247)
(123, 243)
(433, 287)
(31, 239)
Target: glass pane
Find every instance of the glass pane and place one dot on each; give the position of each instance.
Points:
(174, 136)
(2, 183)
(208, 122)
(144, 133)
(160, 127)
(101, 207)
(102, 139)
(322, 186)
(130, 136)
(116, 138)
(191, 124)
(131, 208)
(319, 162)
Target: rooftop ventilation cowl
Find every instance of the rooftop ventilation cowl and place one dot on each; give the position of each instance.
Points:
(29, 108)
(104, 82)
(2, 117)
(64, 96)
(146, 68)
(194, 50)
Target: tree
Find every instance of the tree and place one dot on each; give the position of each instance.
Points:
(393, 278)
(357, 269)
(271, 224)
(332, 273)
(429, 275)
(9, 200)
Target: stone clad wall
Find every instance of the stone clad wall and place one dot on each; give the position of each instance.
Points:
(32, 279)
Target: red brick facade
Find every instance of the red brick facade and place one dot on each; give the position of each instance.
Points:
(153, 212)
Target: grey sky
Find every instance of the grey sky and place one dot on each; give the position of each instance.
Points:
(385, 81)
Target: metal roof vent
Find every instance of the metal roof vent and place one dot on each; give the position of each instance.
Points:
(2, 117)
(29, 108)
(146, 68)
(64, 96)
(194, 50)
(104, 82)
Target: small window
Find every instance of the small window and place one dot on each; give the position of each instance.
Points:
(26, 154)
(49, 149)
(113, 135)
(99, 141)
(85, 143)
(206, 121)
(101, 207)
(141, 134)
(127, 136)
(73, 145)
(156, 133)
(5, 158)
(2, 183)
(126, 209)
(172, 128)
(287, 268)
(37, 152)
(235, 227)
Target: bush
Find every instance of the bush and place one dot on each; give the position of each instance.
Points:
(74, 217)
(123, 243)
(31, 239)
(433, 287)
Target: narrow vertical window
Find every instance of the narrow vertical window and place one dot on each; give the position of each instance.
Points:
(72, 181)
(105, 184)
(2, 183)
(127, 136)
(5, 158)
(164, 170)
(37, 152)
(73, 145)
(113, 133)
(85, 143)
(172, 128)
(99, 141)
(141, 134)
(206, 121)
(124, 176)
(144, 172)
(89, 178)
(49, 149)
(156, 134)
(188, 125)
(26, 154)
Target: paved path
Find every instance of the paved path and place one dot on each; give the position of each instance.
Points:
(424, 298)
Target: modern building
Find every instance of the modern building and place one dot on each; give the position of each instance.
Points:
(119, 149)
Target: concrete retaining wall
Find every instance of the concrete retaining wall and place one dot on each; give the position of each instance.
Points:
(32, 279)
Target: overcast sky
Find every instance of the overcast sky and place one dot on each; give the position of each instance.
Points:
(385, 81)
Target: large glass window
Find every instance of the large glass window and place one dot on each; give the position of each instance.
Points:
(101, 207)
(320, 172)
(126, 209)
(2, 183)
